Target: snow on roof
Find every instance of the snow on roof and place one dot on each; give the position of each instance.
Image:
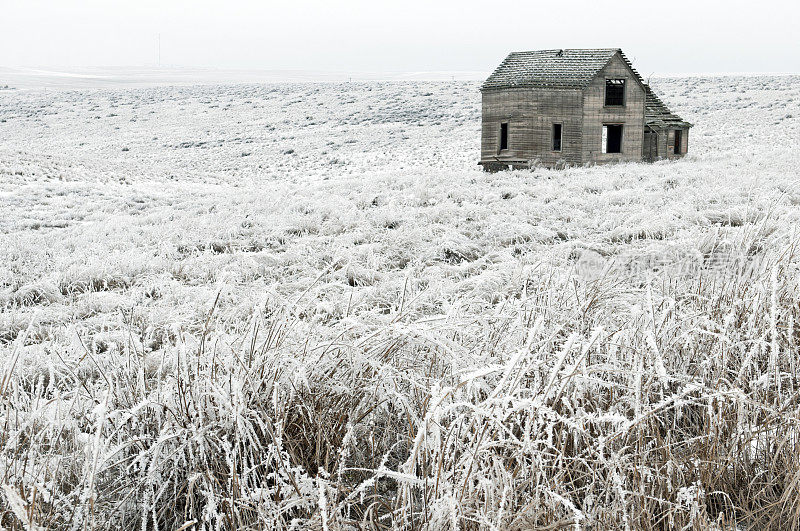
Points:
(550, 68)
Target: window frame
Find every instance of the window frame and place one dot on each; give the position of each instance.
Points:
(503, 137)
(624, 92)
(560, 137)
(604, 145)
(677, 141)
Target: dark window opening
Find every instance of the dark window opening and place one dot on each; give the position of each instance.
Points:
(612, 139)
(556, 137)
(503, 136)
(677, 148)
(615, 92)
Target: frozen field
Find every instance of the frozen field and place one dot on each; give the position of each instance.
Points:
(304, 306)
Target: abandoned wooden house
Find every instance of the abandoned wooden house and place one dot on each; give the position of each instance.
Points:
(570, 107)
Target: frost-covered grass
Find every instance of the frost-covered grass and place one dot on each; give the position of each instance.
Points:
(303, 306)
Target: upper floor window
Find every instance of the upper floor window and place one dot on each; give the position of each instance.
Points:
(615, 92)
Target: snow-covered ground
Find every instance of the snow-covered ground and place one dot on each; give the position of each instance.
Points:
(155, 76)
(305, 303)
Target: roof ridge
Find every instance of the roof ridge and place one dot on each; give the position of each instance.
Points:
(571, 50)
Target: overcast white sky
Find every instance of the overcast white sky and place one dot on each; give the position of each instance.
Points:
(672, 36)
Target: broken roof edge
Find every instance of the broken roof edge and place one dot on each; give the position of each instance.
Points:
(662, 116)
(683, 124)
(628, 63)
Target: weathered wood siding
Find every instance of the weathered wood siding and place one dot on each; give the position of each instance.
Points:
(685, 142)
(650, 146)
(631, 115)
(666, 143)
(562, 106)
(514, 106)
(669, 150)
(662, 143)
(531, 113)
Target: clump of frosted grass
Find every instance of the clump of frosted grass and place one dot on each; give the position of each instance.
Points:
(643, 404)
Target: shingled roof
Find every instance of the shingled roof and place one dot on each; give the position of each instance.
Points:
(657, 114)
(552, 68)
